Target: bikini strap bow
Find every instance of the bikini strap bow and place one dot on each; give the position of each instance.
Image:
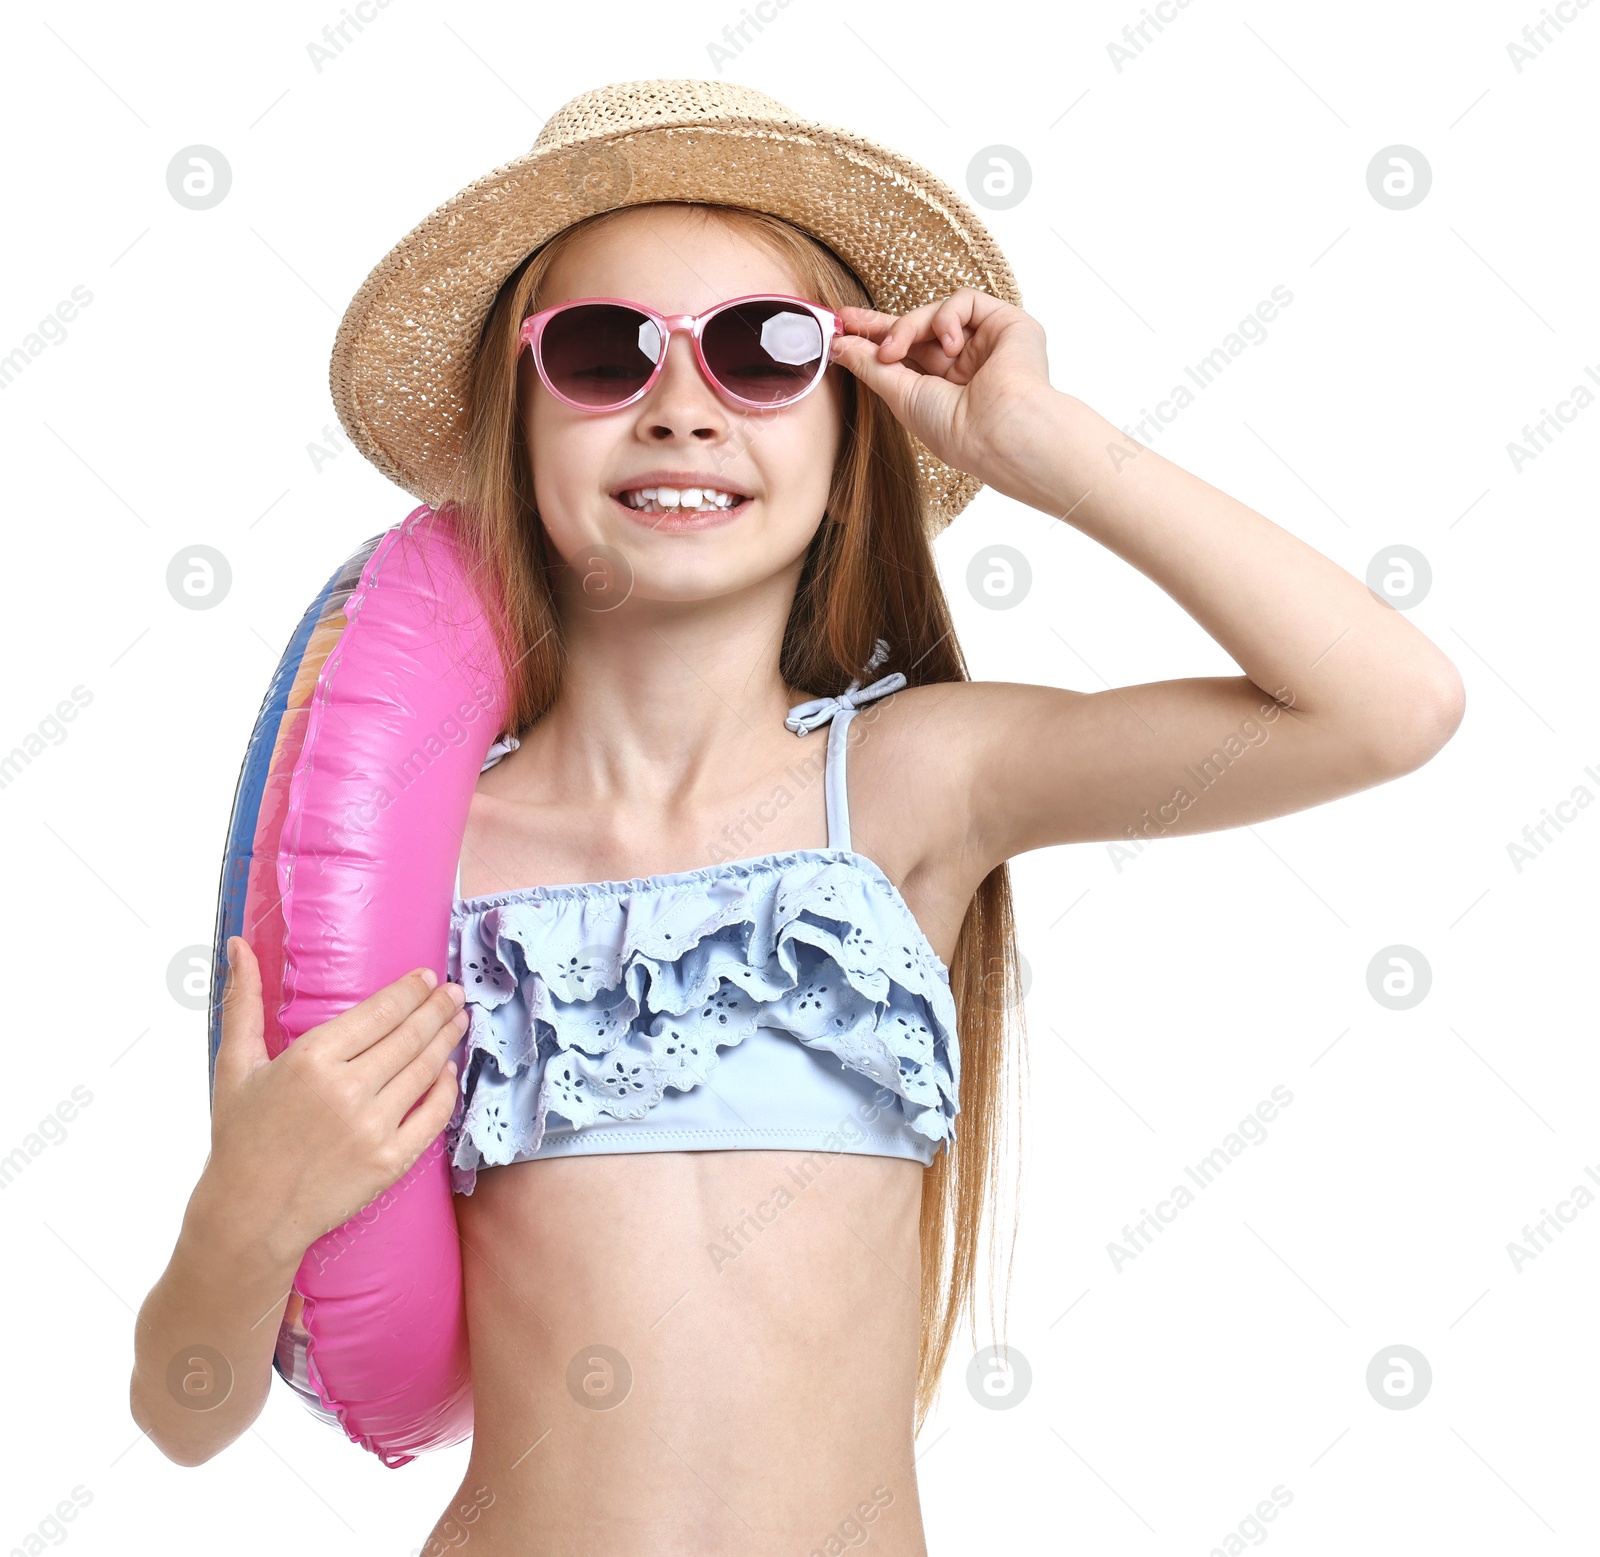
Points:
(806, 717)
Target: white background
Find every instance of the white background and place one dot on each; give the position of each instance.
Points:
(1169, 996)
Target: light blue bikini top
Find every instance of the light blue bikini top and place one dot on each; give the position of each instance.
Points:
(786, 1001)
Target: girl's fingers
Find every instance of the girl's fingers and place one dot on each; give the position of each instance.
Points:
(243, 1042)
(933, 354)
(950, 328)
(422, 1126)
(409, 1083)
(370, 1021)
(909, 394)
(867, 322)
(920, 362)
(894, 333)
(909, 330)
(389, 1057)
(929, 338)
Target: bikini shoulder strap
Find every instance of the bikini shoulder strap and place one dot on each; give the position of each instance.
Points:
(806, 717)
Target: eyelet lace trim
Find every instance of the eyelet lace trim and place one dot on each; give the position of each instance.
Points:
(589, 1001)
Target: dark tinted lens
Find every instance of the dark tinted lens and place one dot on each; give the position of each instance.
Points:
(599, 353)
(763, 351)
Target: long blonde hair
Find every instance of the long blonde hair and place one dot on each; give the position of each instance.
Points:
(869, 574)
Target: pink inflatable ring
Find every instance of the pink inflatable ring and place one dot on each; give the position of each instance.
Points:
(339, 871)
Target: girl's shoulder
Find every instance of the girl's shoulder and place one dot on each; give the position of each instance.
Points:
(937, 771)
(916, 806)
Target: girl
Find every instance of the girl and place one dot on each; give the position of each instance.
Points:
(719, 1212)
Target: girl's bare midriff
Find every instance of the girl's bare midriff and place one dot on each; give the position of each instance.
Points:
(696, 1353)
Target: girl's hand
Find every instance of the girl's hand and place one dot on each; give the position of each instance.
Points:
(967, 375)
(302, 1142)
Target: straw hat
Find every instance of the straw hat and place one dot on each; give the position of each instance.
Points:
(406, 342)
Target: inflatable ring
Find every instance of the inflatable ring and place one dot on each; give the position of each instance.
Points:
(339, 871)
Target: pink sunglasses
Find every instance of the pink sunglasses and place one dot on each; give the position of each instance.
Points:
(603, 353)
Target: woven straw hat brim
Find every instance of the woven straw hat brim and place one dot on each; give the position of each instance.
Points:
(404, 348)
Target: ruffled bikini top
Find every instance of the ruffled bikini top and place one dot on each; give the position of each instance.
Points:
(786, 1001)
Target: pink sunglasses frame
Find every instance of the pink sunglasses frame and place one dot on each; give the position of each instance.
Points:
(533, 327)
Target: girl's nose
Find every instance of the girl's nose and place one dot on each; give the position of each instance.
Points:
(682, 403)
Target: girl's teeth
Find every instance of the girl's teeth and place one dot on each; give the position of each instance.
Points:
(659, 499)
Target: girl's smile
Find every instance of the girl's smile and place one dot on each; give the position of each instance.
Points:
(682, 501)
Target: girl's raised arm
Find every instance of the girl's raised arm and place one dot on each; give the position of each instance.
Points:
(1340, 691)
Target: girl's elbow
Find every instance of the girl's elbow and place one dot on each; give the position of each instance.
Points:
(1429, 716)
(180, 1449)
